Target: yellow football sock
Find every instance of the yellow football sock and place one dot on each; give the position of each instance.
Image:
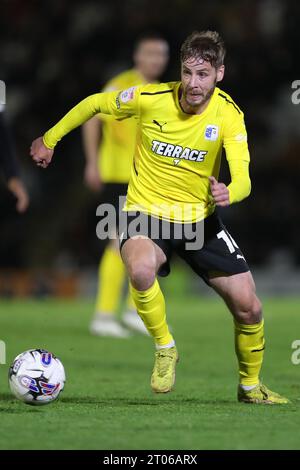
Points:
(110, 281)
(150, 305)
(249, 348)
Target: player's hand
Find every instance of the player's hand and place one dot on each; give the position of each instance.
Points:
(219, 192)
(91, 176)
(40, 153)
(16, 186)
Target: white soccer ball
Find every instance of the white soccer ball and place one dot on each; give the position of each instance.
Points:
(36, 377)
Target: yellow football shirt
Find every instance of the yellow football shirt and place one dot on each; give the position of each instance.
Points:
(175, 152)
(118, 136)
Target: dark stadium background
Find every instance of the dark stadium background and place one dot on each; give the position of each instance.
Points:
(54, 53)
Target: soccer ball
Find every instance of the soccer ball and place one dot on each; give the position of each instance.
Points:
(36, 377)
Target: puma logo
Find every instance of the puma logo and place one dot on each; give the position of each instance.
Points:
(159, 125)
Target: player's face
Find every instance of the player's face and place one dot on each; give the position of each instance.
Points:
(151, 58)
(199, 80)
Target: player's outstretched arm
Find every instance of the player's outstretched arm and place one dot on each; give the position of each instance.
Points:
(42, 148)
(107, 103)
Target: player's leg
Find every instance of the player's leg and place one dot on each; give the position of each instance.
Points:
(238, 292)
(222, 265)
(130, 317)
(143, 258)
(110, 280)
(111, 276)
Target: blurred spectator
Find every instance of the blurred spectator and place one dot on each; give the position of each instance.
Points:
(9, 166)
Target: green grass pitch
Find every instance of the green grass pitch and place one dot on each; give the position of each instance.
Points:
(107, 402)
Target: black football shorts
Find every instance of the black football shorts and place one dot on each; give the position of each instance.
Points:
(206, 245)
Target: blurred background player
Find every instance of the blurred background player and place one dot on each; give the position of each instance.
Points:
(9, 166)
(109, 147)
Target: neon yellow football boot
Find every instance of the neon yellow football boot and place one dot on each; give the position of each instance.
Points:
(261, 394)
(163, 375)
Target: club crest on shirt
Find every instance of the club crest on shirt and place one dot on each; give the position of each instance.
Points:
(211, 132)
(127, 95)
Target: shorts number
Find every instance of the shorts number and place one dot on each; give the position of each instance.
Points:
(231, 244)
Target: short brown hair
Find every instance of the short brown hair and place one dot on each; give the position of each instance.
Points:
(207, 45)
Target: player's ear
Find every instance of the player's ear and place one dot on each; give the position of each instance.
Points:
(220, 73)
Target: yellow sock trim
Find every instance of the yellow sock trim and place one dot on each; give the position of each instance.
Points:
(150, 305)
(110, 281)
(249, 347)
